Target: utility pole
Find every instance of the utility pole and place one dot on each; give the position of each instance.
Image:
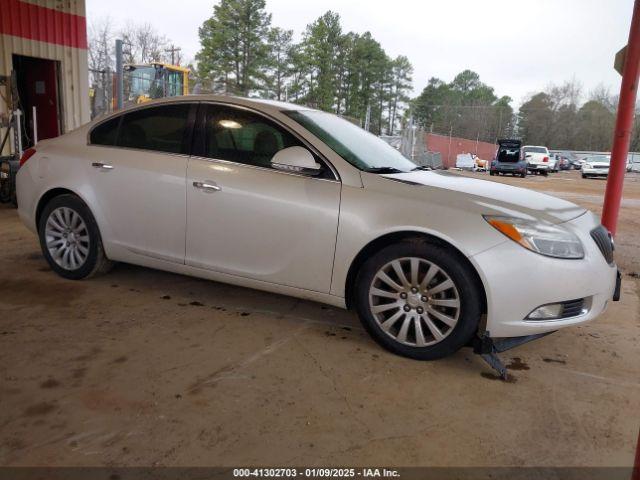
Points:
(624, 124)
(449, 151)
(119, 76)
(173, 51)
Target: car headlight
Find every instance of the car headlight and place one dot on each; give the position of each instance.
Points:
(539, 237)
(587, 166)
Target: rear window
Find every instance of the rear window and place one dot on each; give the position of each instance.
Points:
(105, 133)
(159, 128)
(535, 150)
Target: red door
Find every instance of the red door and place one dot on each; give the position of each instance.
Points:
(38, 87)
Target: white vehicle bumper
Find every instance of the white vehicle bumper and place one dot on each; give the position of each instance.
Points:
(536, 166)
(596, 171)
(518, 281)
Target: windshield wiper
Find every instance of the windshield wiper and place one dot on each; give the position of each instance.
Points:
(383, 170)
(422, 167)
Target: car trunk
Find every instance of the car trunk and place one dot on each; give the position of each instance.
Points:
(508, 151)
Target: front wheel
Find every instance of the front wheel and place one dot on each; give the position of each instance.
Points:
(418, 300)
(70, 239)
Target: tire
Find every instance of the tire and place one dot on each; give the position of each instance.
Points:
(546, 174)
(523, 175)
(461, 321)
(584, 176)
(84, 256)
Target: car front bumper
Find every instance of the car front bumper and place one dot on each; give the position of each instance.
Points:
(517, 281)
(596, 171)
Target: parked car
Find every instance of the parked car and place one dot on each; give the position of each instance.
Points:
(577, 164)
(596, 166)
(564, 163)
(509, 159)
(296, 201)
(538, 159)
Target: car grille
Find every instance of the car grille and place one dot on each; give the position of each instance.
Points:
(572, 308)
(603, 240)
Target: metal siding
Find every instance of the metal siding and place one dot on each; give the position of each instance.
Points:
(73, 61)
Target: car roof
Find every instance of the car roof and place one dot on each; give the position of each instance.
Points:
(264, 105)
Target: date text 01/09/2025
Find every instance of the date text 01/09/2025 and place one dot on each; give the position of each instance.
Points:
(315, 473)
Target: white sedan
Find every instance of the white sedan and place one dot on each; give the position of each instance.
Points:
(295, 201)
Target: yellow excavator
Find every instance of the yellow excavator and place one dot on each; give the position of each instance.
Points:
(144, 82)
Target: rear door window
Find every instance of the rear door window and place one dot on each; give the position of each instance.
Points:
(162, 128)
(105, 133)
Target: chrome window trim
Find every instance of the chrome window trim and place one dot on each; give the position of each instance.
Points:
(144, 150)
(265, 169)
(302, 140)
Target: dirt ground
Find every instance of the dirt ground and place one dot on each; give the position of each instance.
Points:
(141, 367)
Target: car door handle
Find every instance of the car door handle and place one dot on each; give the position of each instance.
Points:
(208, 187)
(102, 166)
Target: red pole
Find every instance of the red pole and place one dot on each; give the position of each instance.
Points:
(624, 124)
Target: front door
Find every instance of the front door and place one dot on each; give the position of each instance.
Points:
(247, 219)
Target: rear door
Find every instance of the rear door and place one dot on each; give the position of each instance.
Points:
(138, 168)
(247, 219)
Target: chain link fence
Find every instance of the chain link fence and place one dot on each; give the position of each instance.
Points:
(141, 84)
(101, 89)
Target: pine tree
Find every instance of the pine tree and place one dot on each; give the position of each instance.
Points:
(234, 45)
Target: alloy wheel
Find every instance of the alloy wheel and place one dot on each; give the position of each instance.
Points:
(414, 301)
(67, 238)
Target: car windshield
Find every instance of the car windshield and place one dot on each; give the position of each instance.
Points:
(360, 148)
(535, 150)
(599, 159)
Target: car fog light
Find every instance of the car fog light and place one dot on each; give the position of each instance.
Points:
(546, 312)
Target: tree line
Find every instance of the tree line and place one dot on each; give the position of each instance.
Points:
(560, 116)
(465, 107)
(350, 74)
(346, 73)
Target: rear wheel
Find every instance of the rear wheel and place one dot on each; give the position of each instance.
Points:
(418, 300)
(70, 239)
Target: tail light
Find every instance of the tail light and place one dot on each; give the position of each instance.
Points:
(28, 153)
(545, 159)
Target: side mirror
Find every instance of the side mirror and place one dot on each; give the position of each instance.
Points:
(297, 160)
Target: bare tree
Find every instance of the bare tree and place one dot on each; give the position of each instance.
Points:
(101, 62)
(143, 44)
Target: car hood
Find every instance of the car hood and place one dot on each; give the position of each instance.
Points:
(489, 197)
(597, 164)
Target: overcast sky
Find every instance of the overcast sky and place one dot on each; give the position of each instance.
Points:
(517, 46)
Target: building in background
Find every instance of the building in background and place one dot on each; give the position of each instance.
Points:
(43, 64)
